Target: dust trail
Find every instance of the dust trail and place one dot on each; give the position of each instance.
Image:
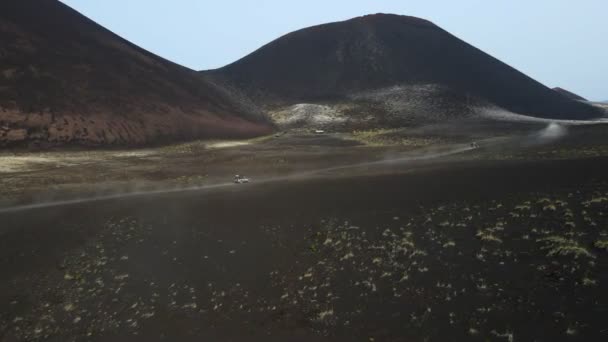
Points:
(388, 161)
(553, 132)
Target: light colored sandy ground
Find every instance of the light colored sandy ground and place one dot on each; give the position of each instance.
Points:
(138, 153)
(12, 163)
(40, 161)
(28, 177)
(23, 163)
(31, 177)
(228, 144)
(27, 162)
(503, 115)
(310, 115)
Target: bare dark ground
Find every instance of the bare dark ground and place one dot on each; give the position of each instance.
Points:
(505, 251)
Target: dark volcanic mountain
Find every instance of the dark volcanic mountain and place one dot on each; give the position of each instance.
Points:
(569, 94)
(65, 79)
(396, 67)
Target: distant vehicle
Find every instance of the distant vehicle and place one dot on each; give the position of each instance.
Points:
(319, 131)
(474, 145)
(238, 179)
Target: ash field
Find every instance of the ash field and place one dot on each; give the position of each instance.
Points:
(433, 241)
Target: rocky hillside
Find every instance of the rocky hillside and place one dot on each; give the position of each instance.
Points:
(386, 69)
(66, 80)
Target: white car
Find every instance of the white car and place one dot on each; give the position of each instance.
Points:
(238, 179)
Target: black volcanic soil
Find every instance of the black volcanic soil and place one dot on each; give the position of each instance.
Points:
(469, 251)
(339, 60)
(569, 94)
(66, 80)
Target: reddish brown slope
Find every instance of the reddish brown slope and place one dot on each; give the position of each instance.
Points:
(65, 79)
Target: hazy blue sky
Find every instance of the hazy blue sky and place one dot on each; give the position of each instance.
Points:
(558, 42)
